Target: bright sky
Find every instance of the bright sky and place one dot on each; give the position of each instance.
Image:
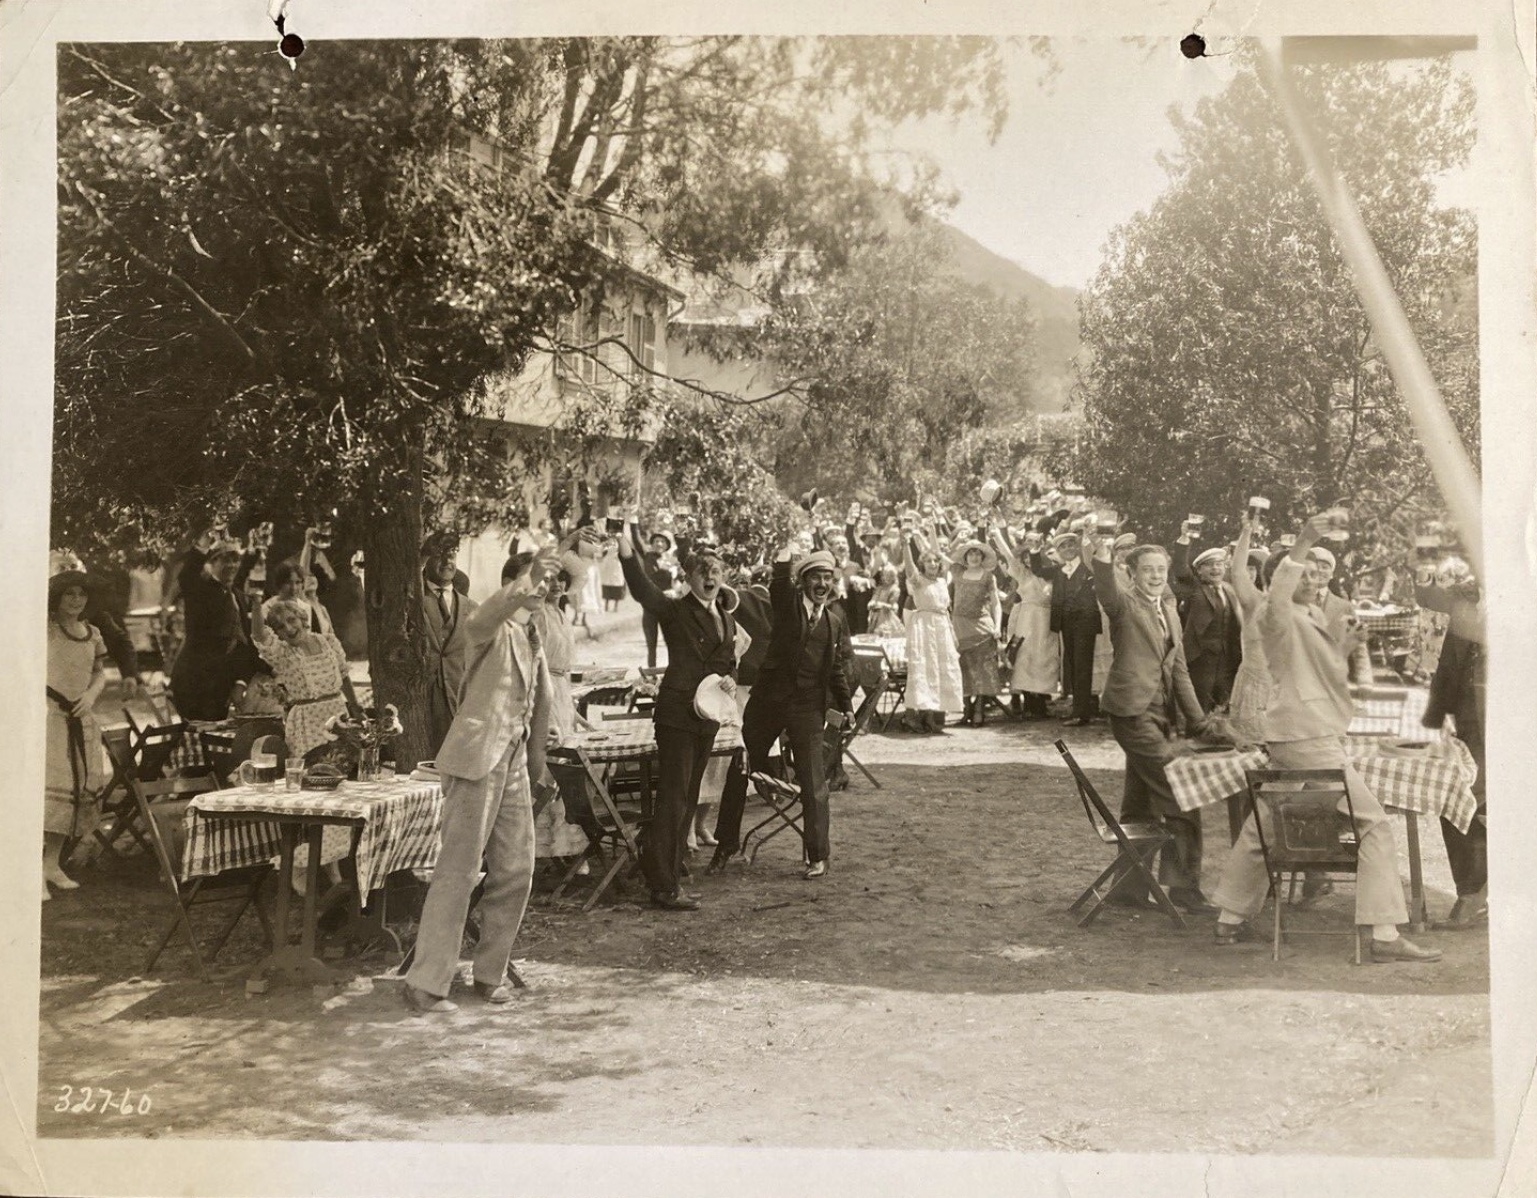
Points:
(1078, 155)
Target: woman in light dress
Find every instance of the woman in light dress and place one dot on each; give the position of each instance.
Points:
(885, 605)
(976, 619)
(311, 668)
(553, 835)
(1037, 650)
(933, 660)
(73, 766)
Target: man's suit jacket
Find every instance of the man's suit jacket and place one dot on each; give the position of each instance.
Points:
(506, 689)
(756, 616)
(1203, 633)
(1074, 606)
(446, 643)
(777, 675)
(1144, 664)
(695, 648)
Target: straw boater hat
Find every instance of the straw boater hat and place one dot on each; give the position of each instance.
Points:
(989, 558)
(1126, 540)
(1209, 555)
(1327, 557)
(1062, 538)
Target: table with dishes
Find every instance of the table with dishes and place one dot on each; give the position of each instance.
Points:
(616, 742)
(383, 826)
(1431, 778)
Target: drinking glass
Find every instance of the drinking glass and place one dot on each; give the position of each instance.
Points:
(293, 773)
(368, 764)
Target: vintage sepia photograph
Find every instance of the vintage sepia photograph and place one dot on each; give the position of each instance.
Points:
(772, 591)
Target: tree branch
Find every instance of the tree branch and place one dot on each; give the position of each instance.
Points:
(190, 293)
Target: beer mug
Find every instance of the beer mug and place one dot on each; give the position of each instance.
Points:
(259, 770)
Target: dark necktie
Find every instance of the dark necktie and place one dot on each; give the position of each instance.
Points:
(443, 605)
(533, 636)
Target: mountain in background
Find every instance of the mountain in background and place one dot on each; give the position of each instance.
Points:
(1055, 310)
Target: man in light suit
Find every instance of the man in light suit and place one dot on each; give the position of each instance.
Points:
(494, 746)
(1148, 689)
(444, 613)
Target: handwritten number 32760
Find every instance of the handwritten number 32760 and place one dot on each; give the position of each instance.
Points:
(89, 1100)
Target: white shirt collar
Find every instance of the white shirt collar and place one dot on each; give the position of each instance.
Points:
(812, 611)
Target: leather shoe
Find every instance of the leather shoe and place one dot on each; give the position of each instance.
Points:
(426, 1004)
(1233, 933)
(1076, 721)
(1467, 912)
(1191, 901)
(718, 861)
(494, 994)
(817, 869)
(1384, 951)
(674, 902)
(1313, 889)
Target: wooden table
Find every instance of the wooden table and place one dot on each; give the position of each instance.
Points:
(395, 825)
(1437, 783)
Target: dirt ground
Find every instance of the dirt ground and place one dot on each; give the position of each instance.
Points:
(932, 991)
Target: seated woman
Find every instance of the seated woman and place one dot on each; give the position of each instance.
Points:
(311, 667)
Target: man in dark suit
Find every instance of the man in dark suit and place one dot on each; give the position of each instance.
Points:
(1213, 625)
(444, 612)
(805, 674)
(1148, 689)
(700, 634)
(1075, 614)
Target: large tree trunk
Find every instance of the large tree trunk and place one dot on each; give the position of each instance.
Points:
(397, 657)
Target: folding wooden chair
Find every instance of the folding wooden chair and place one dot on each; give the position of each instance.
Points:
(649, 676)
(154, 741)
(610, 825)
(120, 812)
(864, 716)
(1308, 832)
(784, 801)
(162, 805)
(604, 696)
(1136, 844)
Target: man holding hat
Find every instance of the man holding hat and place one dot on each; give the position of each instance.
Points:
(805, 674)
(1213, 626)
(700, 632)
(1074, 614)
(444, 612)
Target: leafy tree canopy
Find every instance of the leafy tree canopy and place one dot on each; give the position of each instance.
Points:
(1228, 354)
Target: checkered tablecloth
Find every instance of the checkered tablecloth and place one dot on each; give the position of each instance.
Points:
(401, 820)
(1393, 620)
(631, 740)
(1392, 717)
(1438, 782)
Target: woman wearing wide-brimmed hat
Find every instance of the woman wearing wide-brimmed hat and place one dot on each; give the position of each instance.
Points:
(73, 765)
(976, 615)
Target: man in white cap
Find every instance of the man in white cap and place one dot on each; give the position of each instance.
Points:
(1340, 613)
(804, 676)
(1074, 614)
(1213, 624)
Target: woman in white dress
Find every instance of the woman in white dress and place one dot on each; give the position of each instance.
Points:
(553, 835)
(1037, 650)
(933, 660)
